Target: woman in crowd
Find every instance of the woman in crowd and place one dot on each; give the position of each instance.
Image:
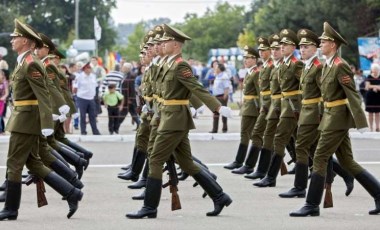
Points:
(372, 106)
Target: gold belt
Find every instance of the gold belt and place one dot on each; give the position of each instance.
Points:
(265, 93)
(276, 96)
(176, 102)
(155, 96)
(148, 98)
(329, 104)
(159, 99)
(25, 102)
(311, 101)
(250, 97)
(291, 93)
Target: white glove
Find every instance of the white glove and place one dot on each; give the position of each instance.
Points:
(363, 130)
(201, 109)
(144, 109)
(64, 109)
(193, 111)
(55, 117)
(225, 111)
(75, 115)
(47, 132)
(62, 118)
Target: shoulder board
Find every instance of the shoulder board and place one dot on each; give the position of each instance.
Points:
(316, 62)
(179, 59)
(29, 59)
(270, 63)
(47, 62)
(337, 61)
(294, 59)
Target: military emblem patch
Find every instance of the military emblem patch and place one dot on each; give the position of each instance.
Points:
(35, 74)
(346, 80)
(187, 73)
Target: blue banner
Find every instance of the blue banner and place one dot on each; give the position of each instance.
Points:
(369, 52)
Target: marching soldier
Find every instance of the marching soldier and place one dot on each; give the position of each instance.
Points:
(31, 117)
(250, 108)
(172, 133)
(342, 111)
(290, 73)
(259, 127)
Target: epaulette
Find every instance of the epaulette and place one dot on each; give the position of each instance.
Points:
(294, 59)
(337, 61)
(178, 60)
(316, 62)
(47, 62)
(29, 59)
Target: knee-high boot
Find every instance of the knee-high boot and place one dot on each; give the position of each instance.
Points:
(214, 190)
(270, 179)
(151, 200)
(314, 197)
(67, 173)
(142, 181)
(239, 159)
(300, 183)
(3, 186)
(348, 179)
(73, 159)
(58, 156)
(87, 154)
(12, 201)
(136, 168)
(184, 175)
(262, 168)
(133, 158)
(67, 190)
(372, 185)
(250, 163)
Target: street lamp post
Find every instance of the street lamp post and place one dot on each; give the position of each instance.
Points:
(76, 19)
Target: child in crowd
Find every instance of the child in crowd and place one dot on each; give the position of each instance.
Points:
(113, 101)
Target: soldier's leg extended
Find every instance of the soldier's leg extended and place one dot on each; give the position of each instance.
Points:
(284, 130)
(347, 177)
(266, 152)
(307, 135)
(247, 123)
(257, 143)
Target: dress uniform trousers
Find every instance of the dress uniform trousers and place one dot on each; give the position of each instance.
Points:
(285, 129)
(258, 130)
(246, 129)
(44, 152)
(307, 135)
(142, 136)
(23, 150)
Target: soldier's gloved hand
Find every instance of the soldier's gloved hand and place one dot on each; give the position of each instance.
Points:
(64, 109)
(62, 118)
(47, 132)
(201, 109)
(363, 130)
(144, 109)
(193, 111)
(55, 117)
(225, 111)
(75, 115)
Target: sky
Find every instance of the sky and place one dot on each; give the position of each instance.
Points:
(133, 11)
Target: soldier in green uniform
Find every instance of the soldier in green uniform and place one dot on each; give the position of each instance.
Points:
(289, 75)
(176, 121)
(274, 110)
(259, 127)
(342, 111)
(250, 108)
(30, 118)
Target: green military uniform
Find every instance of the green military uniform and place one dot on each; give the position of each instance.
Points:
(250, 108)
(260, 125)
(342, 112)
(178, 84)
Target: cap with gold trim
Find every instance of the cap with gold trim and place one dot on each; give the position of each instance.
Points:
(274, 41)
(159, 31)
(150, 34)
(263, 43)
(27, 31)
(47, 41)
(171, 33)
(250, 52)
(58, 53)
(288, 36)
(307, 37)
(330, 34)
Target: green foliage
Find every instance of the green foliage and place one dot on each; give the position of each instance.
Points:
(132, 51)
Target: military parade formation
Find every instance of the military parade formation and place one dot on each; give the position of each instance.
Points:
(301, 106)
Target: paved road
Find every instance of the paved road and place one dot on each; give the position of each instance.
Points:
(107, 199)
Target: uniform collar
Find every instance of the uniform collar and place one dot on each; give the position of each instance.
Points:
(309, 62)
(277, 63)
(266, 63)
(21, 56)
(329, 61)
(250, 70)
(286, 59)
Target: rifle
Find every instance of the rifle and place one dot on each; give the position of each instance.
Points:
(291, 148)
(284, 170)
(173, 182)
(295, 112)
(328, 202)
(41, 198)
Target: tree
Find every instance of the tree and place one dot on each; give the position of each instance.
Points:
(132, 51)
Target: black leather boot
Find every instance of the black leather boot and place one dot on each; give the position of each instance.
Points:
(12, 201)
(372, 185)
(136, 168)
(263, 166)
(213, 189)
(151, 200)
(3, 195)
(3, 186)
(270, 179)
(73, 159)
(67, 190)
(133, 159)
(348, 179)
(67, 173)
(140, 196)
(215, 124)
(300, 182)
(293, 170)
(239, 159)
(314, 197)
(87, 154)
(58, 156)
(142, 181)
(250, 163)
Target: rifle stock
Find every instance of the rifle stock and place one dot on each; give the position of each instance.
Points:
(284, 170)
(173, 182)
(328, 202)
(40, 187)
